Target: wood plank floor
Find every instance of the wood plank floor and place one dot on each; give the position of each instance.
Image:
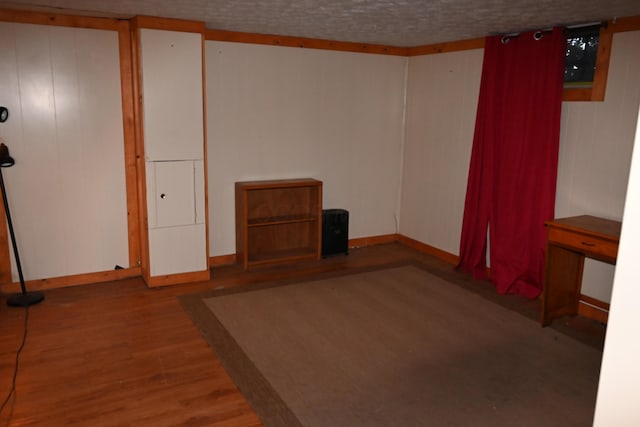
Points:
(121, 354)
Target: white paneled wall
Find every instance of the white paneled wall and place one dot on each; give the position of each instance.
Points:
(619, 385)
(278, 112)
(595, 152)
(442, 98)
(595, 148)
(67, 189)
(275, 112)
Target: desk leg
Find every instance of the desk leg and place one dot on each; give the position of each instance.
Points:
(563, 279)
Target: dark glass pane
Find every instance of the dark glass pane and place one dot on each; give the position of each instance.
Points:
(580, 62)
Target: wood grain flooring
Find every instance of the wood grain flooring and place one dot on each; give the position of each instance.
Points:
(121, 354)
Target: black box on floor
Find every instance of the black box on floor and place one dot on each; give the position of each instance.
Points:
(335, 232)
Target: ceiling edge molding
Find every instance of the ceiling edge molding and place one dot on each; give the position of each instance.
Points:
(302, 42)
(454, 46)
(46, 18)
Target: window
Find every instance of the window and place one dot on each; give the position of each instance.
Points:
(586, 64)
(582, 51)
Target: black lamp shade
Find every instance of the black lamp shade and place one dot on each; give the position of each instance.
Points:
(6, 161)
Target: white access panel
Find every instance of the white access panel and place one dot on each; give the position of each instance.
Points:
(171, 63)
(174, 250)
(171, 193)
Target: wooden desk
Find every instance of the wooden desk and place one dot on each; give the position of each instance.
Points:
(569, 240)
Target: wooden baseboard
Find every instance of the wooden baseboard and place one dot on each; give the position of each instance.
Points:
(177, 279)
(373, 240)
(73, 280)
(360, 242)
(230, 259)
(429, 250)
(216, 261)
(592, 312)
(222, 260)
(588, 307)
(592, 308)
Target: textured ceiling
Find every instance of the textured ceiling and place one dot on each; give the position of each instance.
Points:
(389, 22)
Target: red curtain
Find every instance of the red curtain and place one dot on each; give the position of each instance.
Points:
(514, 160)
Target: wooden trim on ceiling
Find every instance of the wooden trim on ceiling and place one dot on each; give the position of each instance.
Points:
(41, 18)
(156, 23)
(302, 42)
(620, 25)
(613, 26)
(447, 47)
(308, 43)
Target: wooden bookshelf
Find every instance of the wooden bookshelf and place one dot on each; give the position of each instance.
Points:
(278, 221)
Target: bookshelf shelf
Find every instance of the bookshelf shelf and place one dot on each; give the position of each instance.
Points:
(278, 221)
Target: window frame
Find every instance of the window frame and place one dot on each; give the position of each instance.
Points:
(598, 88)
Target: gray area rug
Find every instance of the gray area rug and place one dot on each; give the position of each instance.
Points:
(395, 347)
